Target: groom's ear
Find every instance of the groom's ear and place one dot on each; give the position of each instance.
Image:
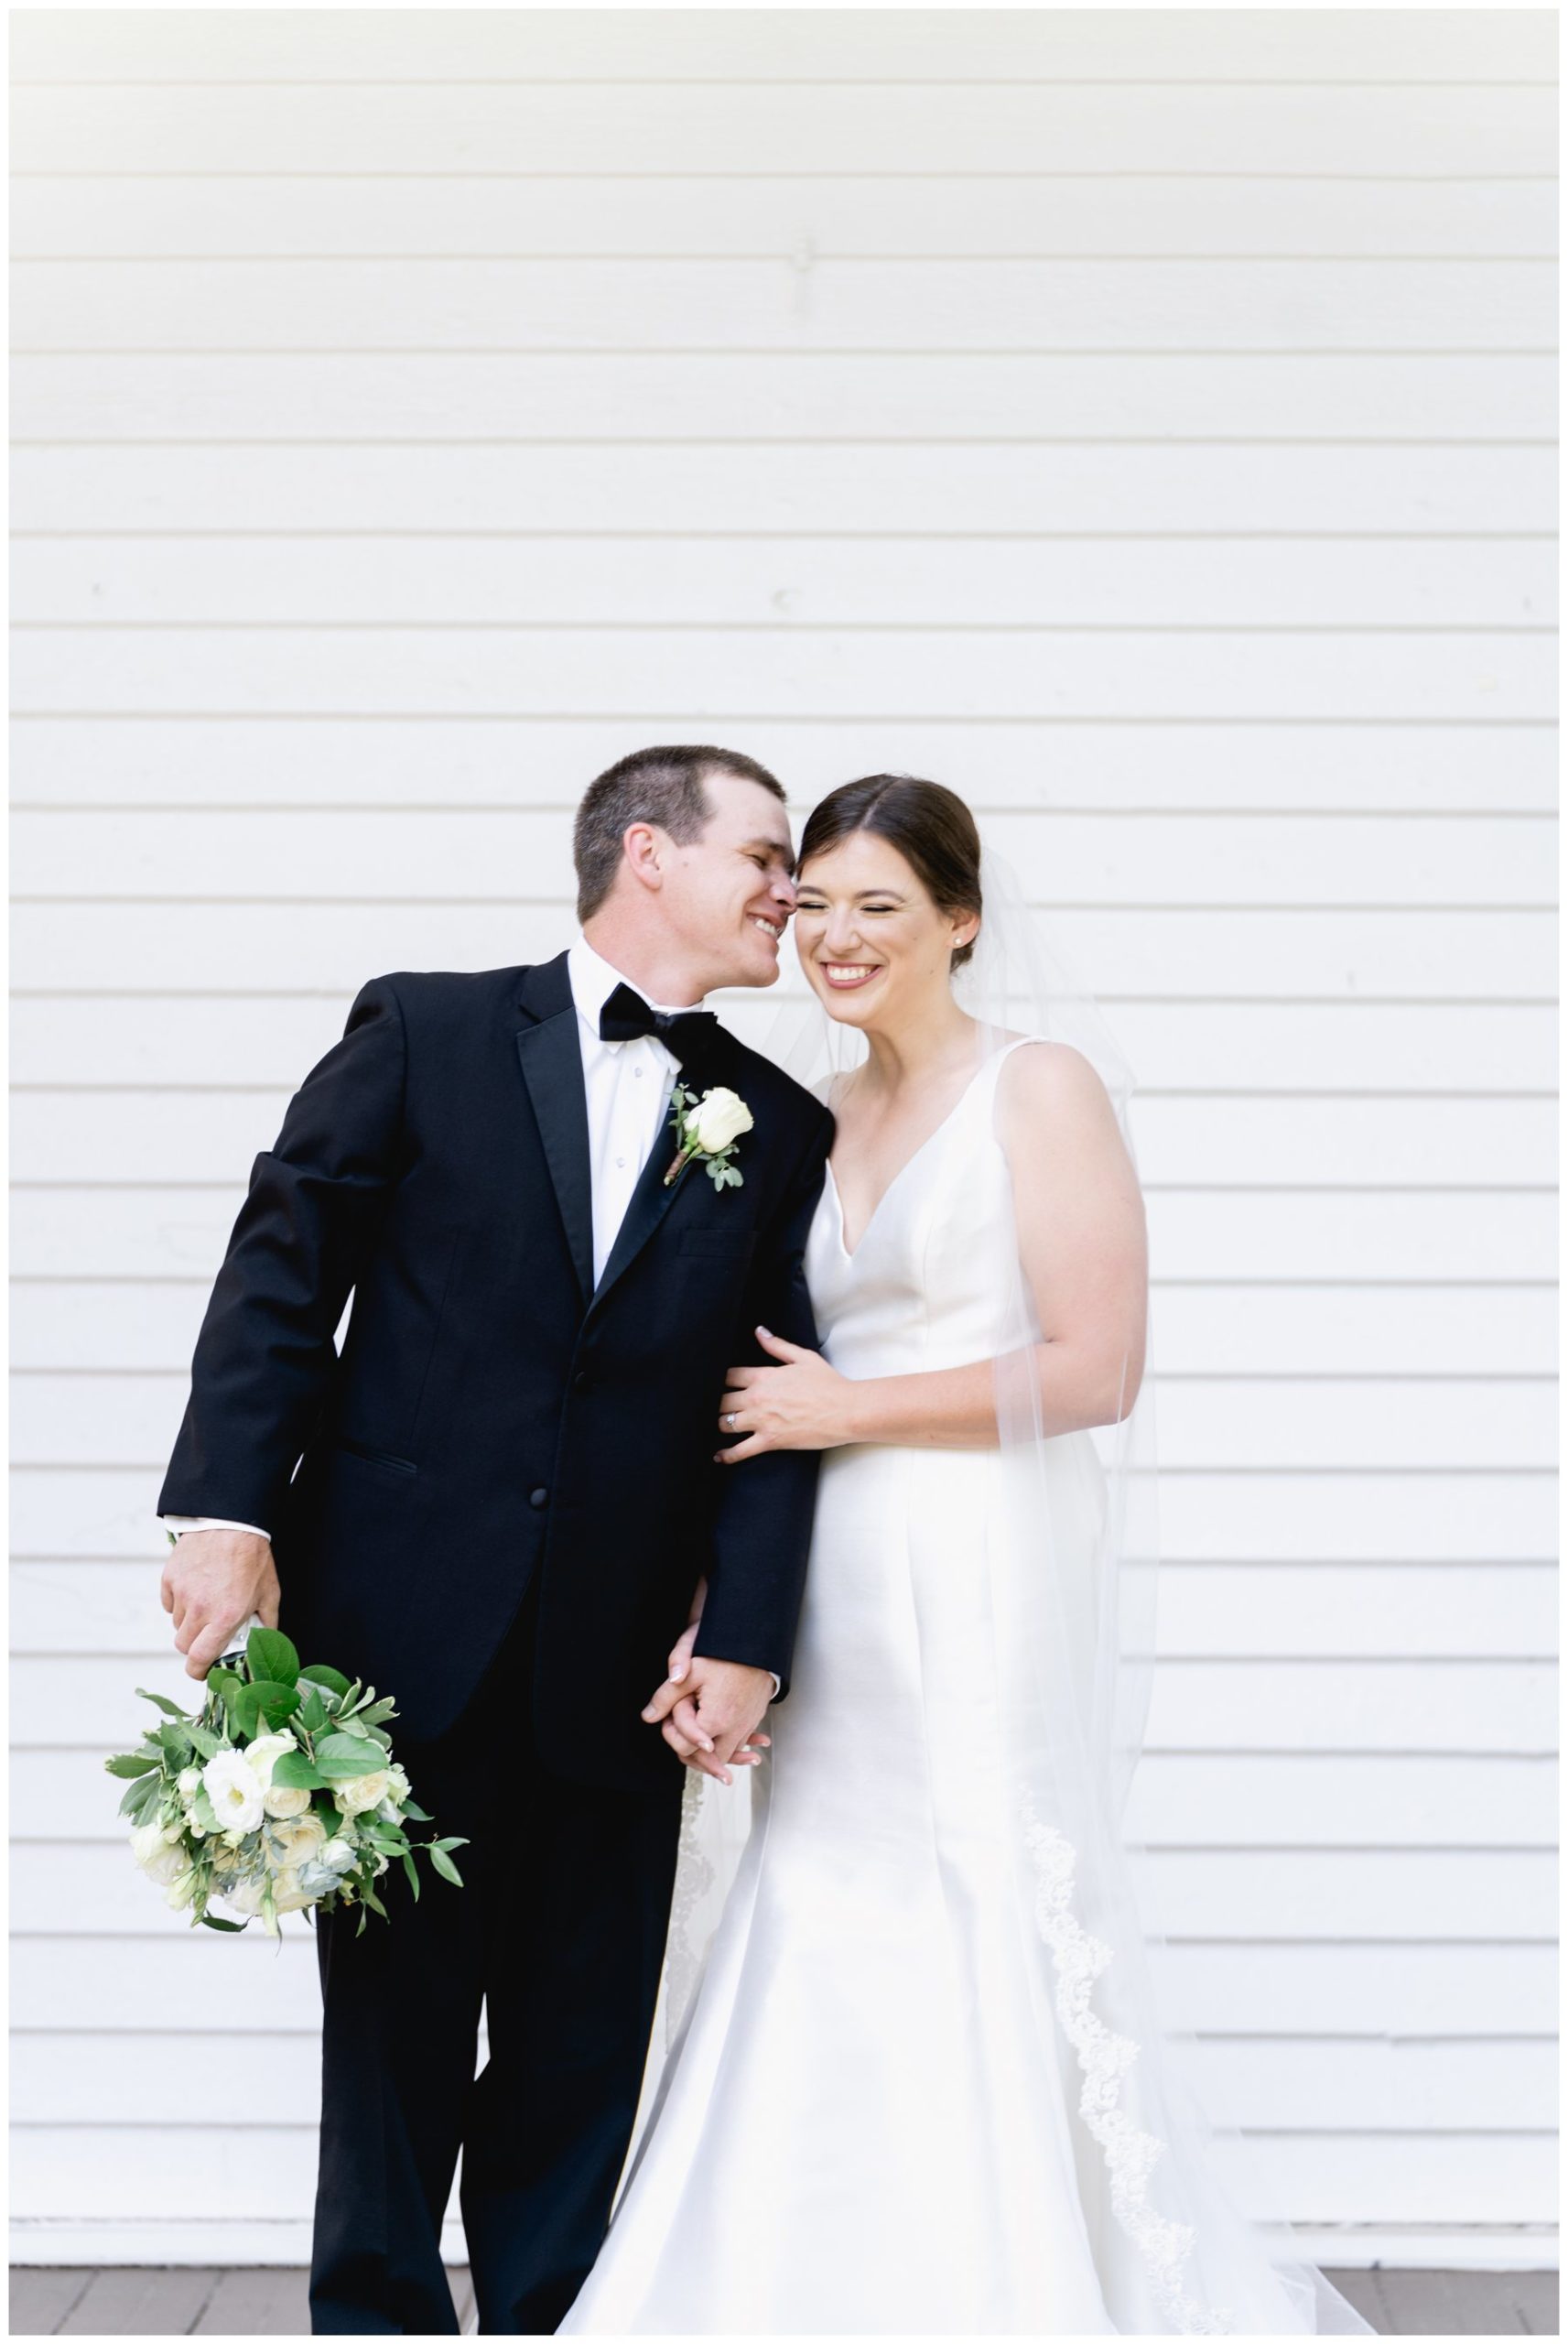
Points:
(644, 846)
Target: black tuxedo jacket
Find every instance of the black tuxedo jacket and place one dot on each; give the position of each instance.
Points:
(493, 1416)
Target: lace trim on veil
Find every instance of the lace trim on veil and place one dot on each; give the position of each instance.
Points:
(695, 1876)
(1131, 2154)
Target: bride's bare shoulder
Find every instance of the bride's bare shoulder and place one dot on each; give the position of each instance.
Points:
(1050, 1086)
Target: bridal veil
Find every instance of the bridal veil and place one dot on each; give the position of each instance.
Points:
(1182, 2216)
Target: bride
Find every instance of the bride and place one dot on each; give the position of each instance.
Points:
(919, 2084)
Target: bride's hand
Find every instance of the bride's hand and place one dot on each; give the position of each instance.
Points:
(800, 1403)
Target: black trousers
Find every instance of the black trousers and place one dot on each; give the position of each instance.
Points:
(560, 1930)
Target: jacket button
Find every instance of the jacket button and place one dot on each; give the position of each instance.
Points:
(539, 1497)
(582, 1381)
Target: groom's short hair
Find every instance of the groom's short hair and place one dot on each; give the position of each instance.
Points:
(662, 785)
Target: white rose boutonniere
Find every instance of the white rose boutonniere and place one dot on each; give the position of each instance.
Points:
(708, 1128)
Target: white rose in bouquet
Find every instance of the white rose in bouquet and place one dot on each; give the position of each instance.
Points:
(181, 1891)
(362, 1792)
(718, 1117)
(262, 1754)
(245, 1896)
(284, 1803)
(153, 1852)
(297, 1841)
(340, 1853)
(231, 1784)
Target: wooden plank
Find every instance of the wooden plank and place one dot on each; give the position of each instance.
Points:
(780, 126)
(1265, 1705)
(1260, 1046)
(517, 762)
(1248, 1610)
(723, 395)
(575, 302)
(1345, 2085)
(1272, 1516)
(102, 1139)
(130, 1419)
(1466, 2303)
(41, 2299)
(257, 2303)
(722, 491)
(1321, 2177)
(1400, 1991)
(64, 1323)
(316, 219)
(414, 853)
(1180, 1797)
(631, 582)
(140, 2303)
(1329, 2177)
(221, 671)
(1425, 46)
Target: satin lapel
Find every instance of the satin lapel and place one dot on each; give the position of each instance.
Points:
(551, 1060)
(651, 1199)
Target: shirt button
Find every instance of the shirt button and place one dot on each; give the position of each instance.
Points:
(620, 1163)
(638, 1072)
(539, 1497)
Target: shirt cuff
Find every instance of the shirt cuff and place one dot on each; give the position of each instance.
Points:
(180, 1523)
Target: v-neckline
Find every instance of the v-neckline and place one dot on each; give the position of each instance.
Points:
(913, 1158)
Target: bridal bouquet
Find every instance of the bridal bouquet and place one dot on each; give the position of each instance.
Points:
(280, 1794)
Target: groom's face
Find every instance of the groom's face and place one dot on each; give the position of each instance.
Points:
(729, 893)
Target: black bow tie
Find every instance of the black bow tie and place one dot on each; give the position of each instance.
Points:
(687, 1034)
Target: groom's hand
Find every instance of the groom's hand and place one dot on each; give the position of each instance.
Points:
(213, 1582)
(710, 1713)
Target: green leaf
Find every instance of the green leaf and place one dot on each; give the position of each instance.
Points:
(333, 1678)
(420, 1814)
(448, 1843)
(244, 1710)
(374, 1900)
(205, 1742)
(142, 1796)
(379, 1709)
(270, 1658)
(234, 1928)
(222, 1682)
(170, 1709)
(314, 1714)
(276, 1703)
(205, 1813)
(412, 1869)
(294, 1771)
(445, 1865)
(341, 1755)
(133, 1761)
(174, 1738)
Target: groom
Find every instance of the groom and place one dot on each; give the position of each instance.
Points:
(497, 1503)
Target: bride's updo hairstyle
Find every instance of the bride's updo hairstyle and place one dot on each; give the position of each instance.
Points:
(931, 827)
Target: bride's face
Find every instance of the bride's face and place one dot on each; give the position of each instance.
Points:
(874, 946)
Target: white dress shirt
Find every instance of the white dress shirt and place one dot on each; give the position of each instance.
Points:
(628, 1086)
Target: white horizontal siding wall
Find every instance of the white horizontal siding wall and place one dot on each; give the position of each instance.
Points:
(1140, 421)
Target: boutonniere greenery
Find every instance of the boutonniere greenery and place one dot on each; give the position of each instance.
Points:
(707, 1129)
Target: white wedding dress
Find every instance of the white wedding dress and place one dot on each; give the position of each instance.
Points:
(861, 2129)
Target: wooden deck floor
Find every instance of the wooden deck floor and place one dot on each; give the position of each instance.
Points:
(184, 2302)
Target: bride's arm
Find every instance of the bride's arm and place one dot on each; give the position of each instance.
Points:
(1083, 1249)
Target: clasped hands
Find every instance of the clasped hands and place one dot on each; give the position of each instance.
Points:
(709, 1710)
